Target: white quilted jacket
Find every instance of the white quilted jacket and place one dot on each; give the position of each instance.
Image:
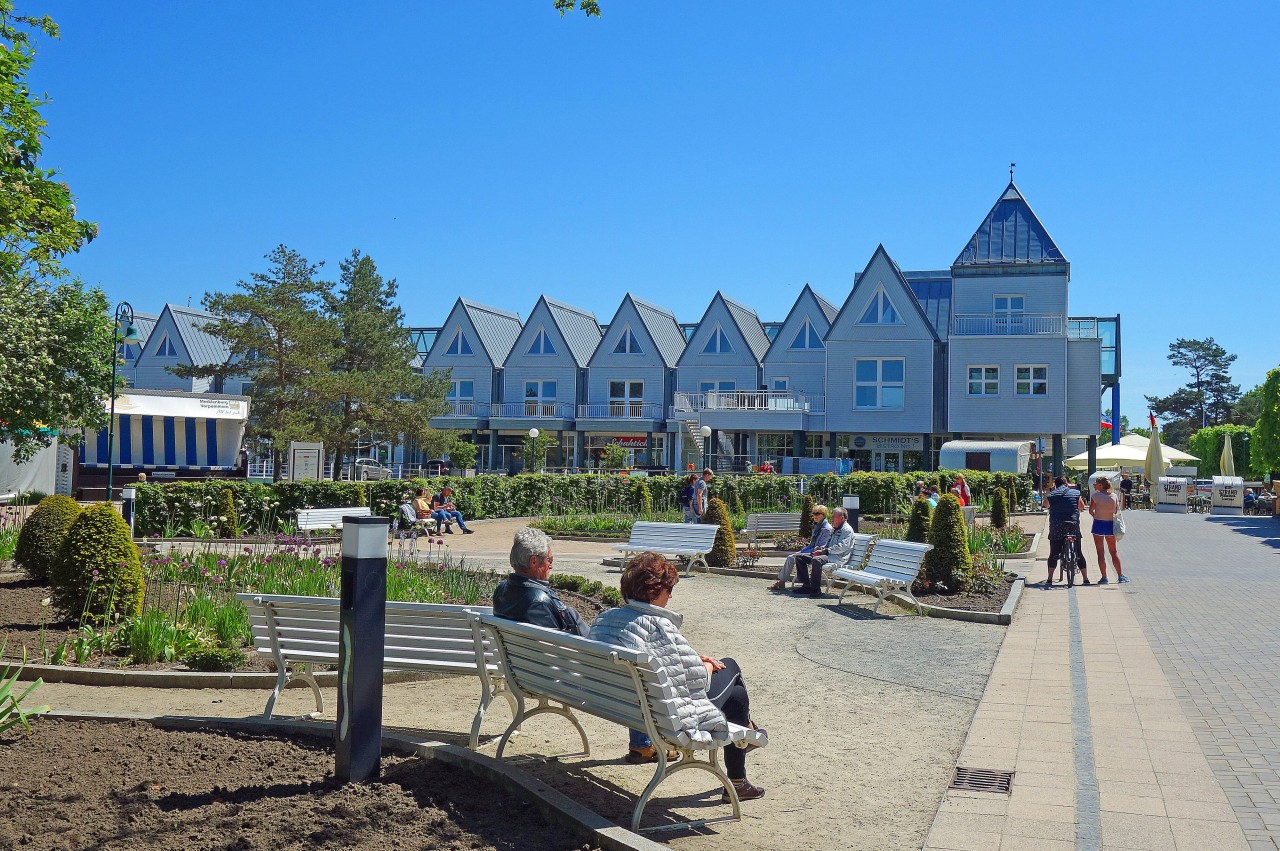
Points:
(655, 630)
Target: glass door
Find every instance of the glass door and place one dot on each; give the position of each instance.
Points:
(887, 462)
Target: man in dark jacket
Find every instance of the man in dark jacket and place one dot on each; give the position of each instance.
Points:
(526, 596)
(1064, 516)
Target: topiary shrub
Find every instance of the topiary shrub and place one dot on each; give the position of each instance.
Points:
(806, 518)
(918, 524)
(98, 572)
(999, 509)
(641, 496)
(228, 523)
(724, 552)
(40, 540)
(948, 566)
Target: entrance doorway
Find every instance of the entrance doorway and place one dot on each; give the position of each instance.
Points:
(886, 462)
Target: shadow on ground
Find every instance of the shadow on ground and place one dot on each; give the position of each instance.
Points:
(1267, 529)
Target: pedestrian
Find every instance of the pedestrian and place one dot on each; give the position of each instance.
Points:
(817, 539)
(1065, 504)
(961, 490)
(1103, 506)
(701, 493)
(934, 496)
(1126, 488)
(686, 498)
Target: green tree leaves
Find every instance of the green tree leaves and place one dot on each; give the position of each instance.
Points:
(1265, 445)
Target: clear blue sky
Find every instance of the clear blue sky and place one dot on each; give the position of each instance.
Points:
(673, 149)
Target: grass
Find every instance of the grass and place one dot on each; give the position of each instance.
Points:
(10, 526)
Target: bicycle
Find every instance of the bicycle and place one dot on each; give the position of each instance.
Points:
(1069, 557)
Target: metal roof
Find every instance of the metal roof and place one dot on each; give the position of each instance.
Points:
(580, 329)
(496, 328)
(145, 323)
(749, 326)
(933, 291)
(902, 279)
(663, 328)
(1010, 233)
(203, 348)
(828, 310)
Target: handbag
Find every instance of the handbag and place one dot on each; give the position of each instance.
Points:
(1118, 526)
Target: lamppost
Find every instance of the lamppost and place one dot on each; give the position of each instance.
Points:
(705, 431)
(533, 449)
(124, 314)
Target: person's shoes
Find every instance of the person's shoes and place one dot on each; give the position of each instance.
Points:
(813, 592)
(800, 591)
(1048, 583)
(778, 586)
(448, 530)
(648, 754)
(745, 791)
(468, 531)
(1086, 581)
(1123, 579)
(1104, 581)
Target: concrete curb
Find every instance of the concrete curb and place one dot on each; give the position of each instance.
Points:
(554, 805)
(189, 679)
(1029, 555)
(1004, 617)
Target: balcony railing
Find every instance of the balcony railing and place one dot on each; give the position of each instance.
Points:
(1006, 324)
(787, 401)
(535, 410)
(620, 411)
(466, 408)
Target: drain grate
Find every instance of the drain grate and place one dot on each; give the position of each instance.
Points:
(982, 780)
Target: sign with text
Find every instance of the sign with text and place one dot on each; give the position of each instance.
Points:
(889, 442)
(304, 461)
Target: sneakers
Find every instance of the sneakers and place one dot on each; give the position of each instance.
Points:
(778, 586)
(1104, 581)
(1048, 583)
(448, 530)
(468, 531)
(744, 790)
(648, 754)
(1086, 581)
(1123, 579)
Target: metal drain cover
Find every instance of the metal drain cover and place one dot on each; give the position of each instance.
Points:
(982, 780)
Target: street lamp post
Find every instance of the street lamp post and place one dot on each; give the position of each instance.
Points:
(705, 431)
(124, 314)
(533, 448)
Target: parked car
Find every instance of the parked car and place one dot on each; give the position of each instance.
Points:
(436, 467)
(369, 470)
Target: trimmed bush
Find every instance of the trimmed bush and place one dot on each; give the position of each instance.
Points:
(40, 541)
(641, 496)
(98, 573)
(806, 518)
(724, 552)
(918, 524)
(215, 659)
(999, 509)
(228, 524)
(948, 566)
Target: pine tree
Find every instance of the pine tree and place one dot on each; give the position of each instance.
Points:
(918, 523)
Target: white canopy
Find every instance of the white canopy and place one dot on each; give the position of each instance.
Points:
(1169, 453)
(1112, 455)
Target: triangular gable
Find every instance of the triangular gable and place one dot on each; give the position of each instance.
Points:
(653, 329)
(1011, 233)
(495, 332)
(895, 287)
(749, 326)
(202, 348)
(786, 335)
(663, 329)
(735, 316)
(579, 329)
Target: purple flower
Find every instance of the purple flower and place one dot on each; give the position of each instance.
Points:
(222, 562)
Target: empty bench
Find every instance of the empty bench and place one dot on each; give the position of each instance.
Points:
(564, 673)
(427, 637)
(310, 519)
(785, 522)
(694, 540)
(892, 566)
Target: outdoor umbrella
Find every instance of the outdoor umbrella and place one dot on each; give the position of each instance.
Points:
(1110, 455)
(1155, 458)
(1227, 462)
(1169, 454)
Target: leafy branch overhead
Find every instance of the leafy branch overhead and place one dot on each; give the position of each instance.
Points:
(590, 8)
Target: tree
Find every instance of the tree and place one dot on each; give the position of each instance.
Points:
(371, 386)
(1207, 399)
(948, 566)
(280, 341)
(918, 523)
(1265, 445)
(534, 451)
(1249, 408)
(1206, 444)
(55, 362)
(590, 8)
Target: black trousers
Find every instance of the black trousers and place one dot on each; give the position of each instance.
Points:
(729, 693)
(809, 569)
(1055, 552)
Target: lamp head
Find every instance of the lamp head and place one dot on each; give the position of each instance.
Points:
(705, 431)
(131, 334)
(533, 432)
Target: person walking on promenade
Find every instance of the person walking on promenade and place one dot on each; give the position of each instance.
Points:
(1103, 506)
(1065, 504)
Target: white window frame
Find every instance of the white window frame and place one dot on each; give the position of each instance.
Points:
(1008, 319)
(806, 330)
(543, 339)
(718, 333)
(628, 404)
(1031, 381)
(455, 390)
(984, 380)
(779, 379)
(627, 339)
(880, 298)
(880, 384)
(459, 338)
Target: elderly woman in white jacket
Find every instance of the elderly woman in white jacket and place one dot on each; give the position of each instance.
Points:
(713, 688)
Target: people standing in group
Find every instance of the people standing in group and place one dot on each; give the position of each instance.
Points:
(1104, 506)
(961, 490)
(446, 513)
(921, 490)
(817, 539)
(934, 496)
(1065, 504)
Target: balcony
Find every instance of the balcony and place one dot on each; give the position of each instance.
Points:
(756, 401)
(1007, 325)
(466, 408)
(532, 410)
(620, 411)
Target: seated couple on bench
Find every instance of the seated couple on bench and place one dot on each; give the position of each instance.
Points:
(830, 543)
(441, 509)
(712, 690)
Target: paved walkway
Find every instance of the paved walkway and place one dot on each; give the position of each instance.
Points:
(1138, 716)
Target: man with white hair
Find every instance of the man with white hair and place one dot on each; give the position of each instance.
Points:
(525, 595)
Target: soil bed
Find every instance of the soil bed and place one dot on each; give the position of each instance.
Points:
(131, 785)
(992, 602)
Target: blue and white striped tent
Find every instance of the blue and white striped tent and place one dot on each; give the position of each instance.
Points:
(168, 430)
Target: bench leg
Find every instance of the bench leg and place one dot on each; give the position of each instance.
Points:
(486, 700)
(545, 708)
(687, 760)
(282, 678)
(700, 558)
(305, 675)
(882, 591)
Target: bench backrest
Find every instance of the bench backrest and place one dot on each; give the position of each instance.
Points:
(899, 560)
(406, 511)
(418, 636)
(647, 534)
(788, 521)
(328, 518)
(587, 675)
(861, 547)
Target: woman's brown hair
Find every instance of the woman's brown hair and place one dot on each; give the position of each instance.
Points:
(646, 576)
(1105, 484)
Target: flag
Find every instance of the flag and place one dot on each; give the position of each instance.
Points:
(1152, 418)
(1106, 422)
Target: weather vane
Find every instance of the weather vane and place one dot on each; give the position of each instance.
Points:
(1011, 165)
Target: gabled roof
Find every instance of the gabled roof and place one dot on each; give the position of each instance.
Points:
(579, 328)
(203, 348)
(749, 326)
(933, 290)
(902, 280)
(663, 328)
(1010, 233)
(496, 328)
(828, 310)
(145, 323)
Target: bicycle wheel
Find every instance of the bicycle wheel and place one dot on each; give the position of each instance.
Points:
(1069, 560)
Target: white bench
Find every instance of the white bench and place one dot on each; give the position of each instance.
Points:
(416, 523)
(564, 673)
(419, 637)
(328, 518)
(862, 545)
(892, 566)
(694, 540)
(785, 522)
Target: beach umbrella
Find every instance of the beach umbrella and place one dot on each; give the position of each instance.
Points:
(1227, 463)
(1170, 455)
(1155, 458)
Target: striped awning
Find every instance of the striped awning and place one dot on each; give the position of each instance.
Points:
(171, 431)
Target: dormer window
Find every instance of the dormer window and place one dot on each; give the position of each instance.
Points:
(717, 343)
(880, 311)
(166, 348)
(542, 344)
(808, 338)
(459, 345)
(627, 344)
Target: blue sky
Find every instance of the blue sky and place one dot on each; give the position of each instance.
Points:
(673, 149)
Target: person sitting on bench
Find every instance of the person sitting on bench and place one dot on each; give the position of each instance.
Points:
(821, 534)
(446, 513)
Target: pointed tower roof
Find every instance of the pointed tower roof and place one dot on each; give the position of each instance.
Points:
(1010, 233)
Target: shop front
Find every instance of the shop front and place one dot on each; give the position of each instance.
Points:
(643, 450)
(883, 453)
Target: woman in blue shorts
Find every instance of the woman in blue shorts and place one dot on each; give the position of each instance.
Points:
(1103, 506)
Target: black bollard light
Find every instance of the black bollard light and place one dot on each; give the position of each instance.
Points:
(127, 498)
(853, 510)
(362, 622)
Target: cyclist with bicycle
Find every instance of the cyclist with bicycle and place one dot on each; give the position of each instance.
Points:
(1064, 523)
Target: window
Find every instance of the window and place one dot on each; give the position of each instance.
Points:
(459, 345)
(717, 343)
(539, 398)
(878, 383)
(984, 381)
(166, 349)
(808, 338)
(460, 391)
(542, 344)
(628, 344)
(713, 386)
(1008, 312)
(1031, 381)
(626, 398)
(780, 384)
(880, 311)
